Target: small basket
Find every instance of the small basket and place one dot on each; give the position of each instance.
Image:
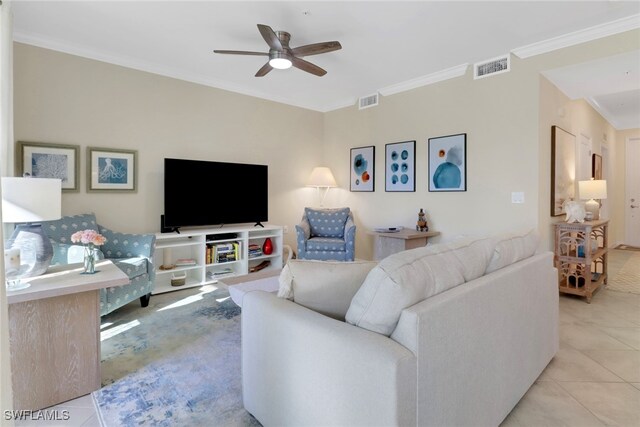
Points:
(178, 279)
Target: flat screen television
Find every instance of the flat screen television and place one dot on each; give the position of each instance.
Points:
(200, 193)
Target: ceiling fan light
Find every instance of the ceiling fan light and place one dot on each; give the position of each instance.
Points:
(280, 63)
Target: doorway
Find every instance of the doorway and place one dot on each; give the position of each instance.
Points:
(632, 192)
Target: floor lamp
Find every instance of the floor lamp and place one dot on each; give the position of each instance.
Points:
(27, 202)
(321, 178)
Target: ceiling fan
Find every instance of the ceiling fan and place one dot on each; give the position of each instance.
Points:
(281, 56)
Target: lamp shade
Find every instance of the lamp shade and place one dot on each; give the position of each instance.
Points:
(31, 199)
(321, 177)
(593, 189)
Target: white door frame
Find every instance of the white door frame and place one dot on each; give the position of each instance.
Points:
(630, 238)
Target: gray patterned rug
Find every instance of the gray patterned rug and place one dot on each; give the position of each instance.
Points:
(174, 363)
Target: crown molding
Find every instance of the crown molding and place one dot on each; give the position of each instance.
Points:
(436, 77)
(344, 103)
(618, 125)
(581, 36)
(153, 68)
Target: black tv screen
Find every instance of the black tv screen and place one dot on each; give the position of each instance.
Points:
(199, 193)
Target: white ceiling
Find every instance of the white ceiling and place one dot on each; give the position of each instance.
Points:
(388, 46)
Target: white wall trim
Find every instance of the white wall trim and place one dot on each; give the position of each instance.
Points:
(607, 116)
(438, 76)
(603, 30)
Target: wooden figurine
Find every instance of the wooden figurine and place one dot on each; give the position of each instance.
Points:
(421, 225)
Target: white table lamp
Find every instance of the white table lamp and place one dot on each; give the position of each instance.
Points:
(593, 190)
(27, 202)
(321, 177)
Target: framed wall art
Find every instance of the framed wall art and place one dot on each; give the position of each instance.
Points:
(111, 170)
(45, 160)
(596, 166)
(448, 163)
(400, 166)
(563, 169)
(362, 168)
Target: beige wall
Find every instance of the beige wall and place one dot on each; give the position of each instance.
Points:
(67, 99)
(508, 125)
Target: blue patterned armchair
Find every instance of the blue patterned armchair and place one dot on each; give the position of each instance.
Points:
(131, 253)
(326, 234)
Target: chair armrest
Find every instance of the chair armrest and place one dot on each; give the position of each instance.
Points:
(122, 245)
(303, 230)
(298, 365)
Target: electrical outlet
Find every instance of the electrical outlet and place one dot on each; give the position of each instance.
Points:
(285, 229)
(517, 197)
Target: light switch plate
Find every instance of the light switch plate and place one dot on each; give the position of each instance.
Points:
(517, 197)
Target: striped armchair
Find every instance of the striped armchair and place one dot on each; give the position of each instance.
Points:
(326, 234)
(131, 253)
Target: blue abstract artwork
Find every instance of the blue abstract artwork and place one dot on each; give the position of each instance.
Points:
(400, 166)
(112, 170)
(45, 165)
(362, 168)
(448, 163)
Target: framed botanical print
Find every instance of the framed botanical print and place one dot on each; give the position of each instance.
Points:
(111, 170)
(400, 166)
(46, 160)
(448, 163)
(362, 168)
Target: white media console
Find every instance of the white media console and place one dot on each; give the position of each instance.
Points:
(192, 244)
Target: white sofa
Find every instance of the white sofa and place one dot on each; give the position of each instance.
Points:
(461, 356)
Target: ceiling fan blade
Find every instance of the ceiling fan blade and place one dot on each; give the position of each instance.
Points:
(241, 52)
(264, 70)
(270, 37)
(316, 48)
(307, 66)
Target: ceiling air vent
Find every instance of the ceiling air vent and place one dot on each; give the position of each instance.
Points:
(494, 66)
(368, 101)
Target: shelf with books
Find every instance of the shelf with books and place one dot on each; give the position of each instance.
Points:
(203, 246)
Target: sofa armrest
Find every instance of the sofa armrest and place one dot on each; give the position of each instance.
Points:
(300, 367)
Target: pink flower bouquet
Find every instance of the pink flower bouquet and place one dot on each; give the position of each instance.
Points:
(88, 237)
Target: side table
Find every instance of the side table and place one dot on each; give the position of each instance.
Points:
(54, 334)
(390, 243)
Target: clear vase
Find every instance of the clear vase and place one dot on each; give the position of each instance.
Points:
(89, 260)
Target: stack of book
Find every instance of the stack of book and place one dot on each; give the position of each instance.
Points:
(185, 262)
(224, 252)
(254, 250)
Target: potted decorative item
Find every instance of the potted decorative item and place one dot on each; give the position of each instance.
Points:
(421, 225)
(90, 239)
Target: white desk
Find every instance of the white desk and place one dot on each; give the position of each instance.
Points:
(54, 334)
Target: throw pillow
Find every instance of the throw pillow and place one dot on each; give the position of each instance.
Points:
(511, 248)
(406, 278)
(327, 222)
(326, 287)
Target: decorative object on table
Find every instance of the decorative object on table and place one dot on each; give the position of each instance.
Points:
(44, 160)
(363, 168)
(19, 260)
(421, 224)
(29, 201)
(596, 166)
(563, 169)
(321, 178)
(592, 190)
(448, 163)
(575, 211)
(111, 170)
(167, 263)
(400, 166)
(395, 229)
(267, 246)
(178, 279)
(90, 239)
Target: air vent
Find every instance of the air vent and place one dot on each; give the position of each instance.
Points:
(492, 67)
(368, 101)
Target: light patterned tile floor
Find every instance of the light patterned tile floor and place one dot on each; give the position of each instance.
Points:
(594, 380)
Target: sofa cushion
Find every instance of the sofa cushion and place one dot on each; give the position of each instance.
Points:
(406, 278)
(511, 248)
(323, 286)
(327, 222)
(132, 267)
(61, 230)
(64, 253)
(325, 244)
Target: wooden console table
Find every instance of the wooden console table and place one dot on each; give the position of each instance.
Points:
(54, 334)
(390, 243)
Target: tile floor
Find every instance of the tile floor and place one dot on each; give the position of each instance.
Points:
(594, 380)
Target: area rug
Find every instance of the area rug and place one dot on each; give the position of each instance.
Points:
(628, 248)
(174, 363)
(627, 278)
